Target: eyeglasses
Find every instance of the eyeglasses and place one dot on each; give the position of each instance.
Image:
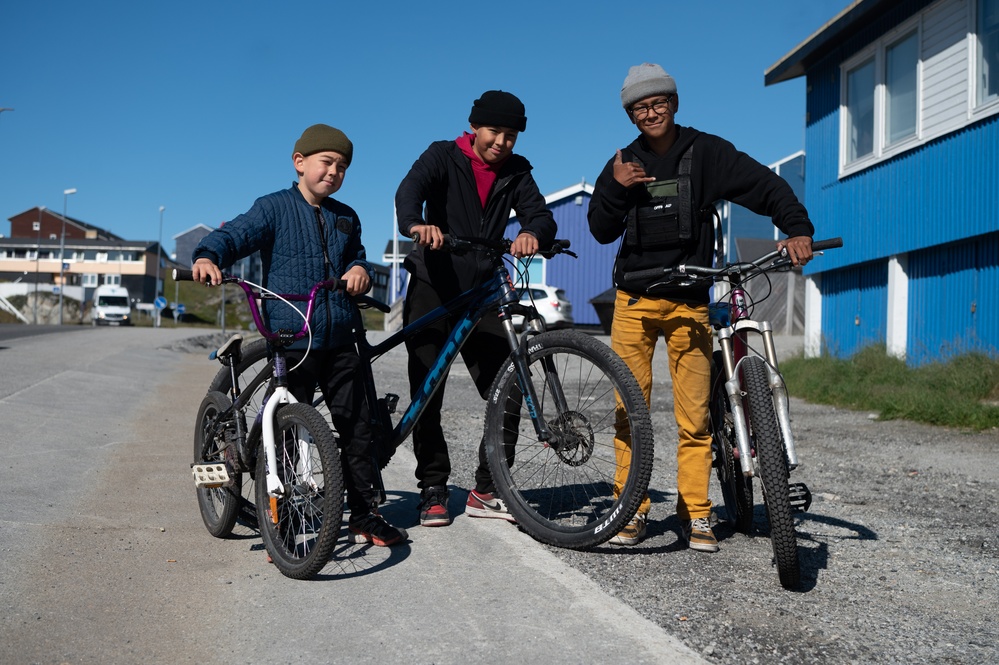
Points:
(660, 107)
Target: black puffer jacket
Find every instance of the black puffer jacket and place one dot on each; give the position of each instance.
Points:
(718, 172)
(442, 178)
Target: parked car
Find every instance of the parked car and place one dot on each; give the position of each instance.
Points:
(551, 304)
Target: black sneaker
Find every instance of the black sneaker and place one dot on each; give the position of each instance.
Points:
(372, 528)
(433, 506)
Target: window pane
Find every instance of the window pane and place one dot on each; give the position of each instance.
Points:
(988, 52)
(860, 111)
(900, 83)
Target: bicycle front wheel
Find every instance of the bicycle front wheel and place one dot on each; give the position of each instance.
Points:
(737, 489)
(773, 471)
(579, 488)
(214, 443)
(300, 527)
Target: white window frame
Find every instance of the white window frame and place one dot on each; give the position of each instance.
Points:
(112, 279)
(88, 280)
(986, 106)
(878, 53)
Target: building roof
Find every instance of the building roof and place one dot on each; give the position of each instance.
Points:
(824, 40)
(196, 227)
(95, 243)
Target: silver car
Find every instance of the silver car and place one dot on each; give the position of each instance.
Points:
(551, 303)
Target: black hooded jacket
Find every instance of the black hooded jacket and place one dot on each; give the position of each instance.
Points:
(718, 172)
(442, 178)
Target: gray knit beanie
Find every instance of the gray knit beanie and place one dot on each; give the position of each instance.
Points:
(320, 138)
(643, 81)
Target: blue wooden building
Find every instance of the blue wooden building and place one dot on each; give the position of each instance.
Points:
(902, 137)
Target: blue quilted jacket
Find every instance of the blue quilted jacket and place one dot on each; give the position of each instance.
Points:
(291, 236)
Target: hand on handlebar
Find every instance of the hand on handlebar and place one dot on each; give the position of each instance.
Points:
(426, 235)
(358, 281)
(204, 271)
(524, 245)
(798, 248)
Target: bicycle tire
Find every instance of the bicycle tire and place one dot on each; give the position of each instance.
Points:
(774, 472)
(219, 506)
(562, 493)
(300, 529)
(737, 489)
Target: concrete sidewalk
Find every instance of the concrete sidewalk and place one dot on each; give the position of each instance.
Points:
(112, 564)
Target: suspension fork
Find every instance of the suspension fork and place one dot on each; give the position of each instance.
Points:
(732, 339)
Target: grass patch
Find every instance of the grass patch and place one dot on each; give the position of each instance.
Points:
(961, 392)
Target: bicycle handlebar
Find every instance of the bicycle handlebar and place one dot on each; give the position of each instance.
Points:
(281, 336)
(459, 245)
(695, 273)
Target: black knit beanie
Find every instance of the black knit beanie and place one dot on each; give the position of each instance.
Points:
(499, 109)
(319, 138)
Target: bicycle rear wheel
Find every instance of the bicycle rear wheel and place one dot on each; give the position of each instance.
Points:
(562, 491)
(737, 489)
(214, 442)
(773, 471)
(300, 528)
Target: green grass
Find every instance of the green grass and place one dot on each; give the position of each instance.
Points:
(962, 392)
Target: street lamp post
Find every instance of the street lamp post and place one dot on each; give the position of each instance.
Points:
(38, 251)
(156, 287)
(62, 250)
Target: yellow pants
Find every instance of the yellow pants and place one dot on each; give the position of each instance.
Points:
(638, 324)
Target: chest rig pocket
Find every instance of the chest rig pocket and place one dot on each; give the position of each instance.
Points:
(662, 218)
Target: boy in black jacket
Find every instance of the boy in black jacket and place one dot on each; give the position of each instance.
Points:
(657, 194)
(469, 186)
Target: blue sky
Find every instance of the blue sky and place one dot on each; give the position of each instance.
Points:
(196, 106)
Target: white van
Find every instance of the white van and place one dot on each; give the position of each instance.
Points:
(111, 307)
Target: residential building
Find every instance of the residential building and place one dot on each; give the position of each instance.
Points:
(902, 137)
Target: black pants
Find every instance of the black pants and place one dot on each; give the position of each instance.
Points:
(335, 372)
(485, 353)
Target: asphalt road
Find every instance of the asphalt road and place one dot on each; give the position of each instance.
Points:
(106, 559)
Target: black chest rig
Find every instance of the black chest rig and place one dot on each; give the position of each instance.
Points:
(664, 216)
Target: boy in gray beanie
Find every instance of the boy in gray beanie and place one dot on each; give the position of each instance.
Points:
(305, 236)
(657, 196)
(468, 187)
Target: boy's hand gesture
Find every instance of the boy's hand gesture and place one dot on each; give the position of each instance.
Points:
(357, 280)
(524, 245)
(629, 174)
(204, 271)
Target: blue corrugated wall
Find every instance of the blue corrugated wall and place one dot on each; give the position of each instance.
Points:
(954, 299)
(854, 308)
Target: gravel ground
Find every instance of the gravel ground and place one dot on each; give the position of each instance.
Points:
(899, 551)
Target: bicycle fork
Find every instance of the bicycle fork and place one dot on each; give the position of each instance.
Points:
(778, 391)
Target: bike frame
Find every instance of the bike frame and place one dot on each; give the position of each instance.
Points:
(474, 305)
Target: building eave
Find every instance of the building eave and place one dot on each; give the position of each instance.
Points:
(796, 63)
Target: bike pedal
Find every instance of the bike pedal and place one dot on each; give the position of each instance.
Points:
(211, 475)
(801, 497)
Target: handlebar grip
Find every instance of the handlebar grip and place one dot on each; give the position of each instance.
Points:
(831, 243)
(183, 275)
(640, 275)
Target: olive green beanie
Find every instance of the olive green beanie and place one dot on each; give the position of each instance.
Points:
(319, 138)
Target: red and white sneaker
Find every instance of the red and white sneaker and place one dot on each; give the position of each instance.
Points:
(483, 504)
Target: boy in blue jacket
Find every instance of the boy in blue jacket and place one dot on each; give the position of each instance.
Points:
(305, 237)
